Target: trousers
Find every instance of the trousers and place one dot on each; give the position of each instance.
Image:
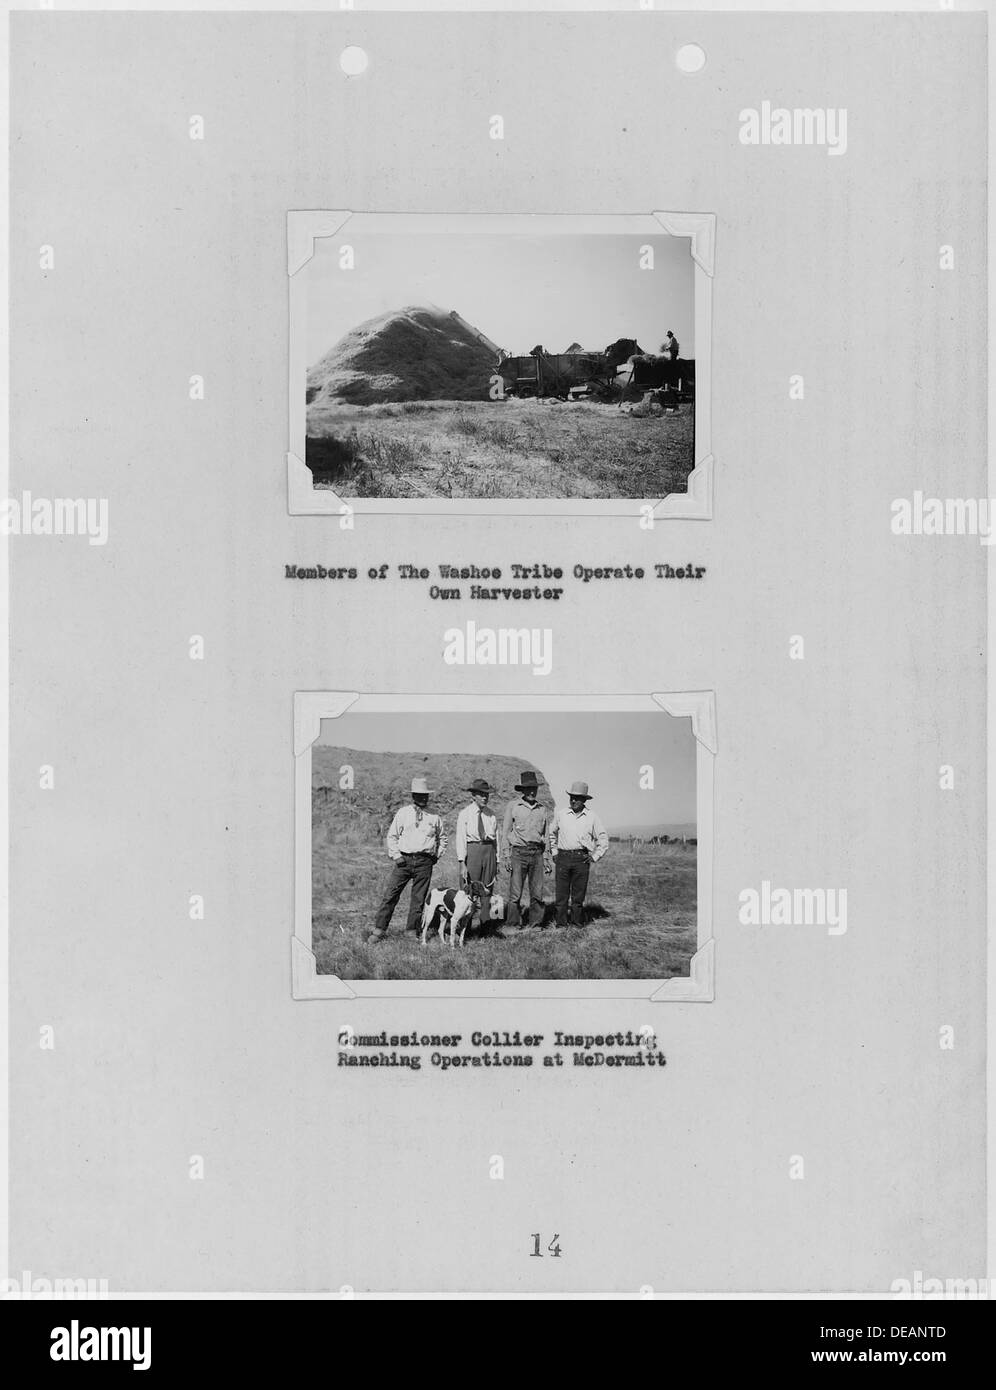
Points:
(572, 869)
(411, 868)
(482, 867)
(527, 868)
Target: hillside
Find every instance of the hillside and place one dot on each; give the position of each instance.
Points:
(418, 353)
(382, 783)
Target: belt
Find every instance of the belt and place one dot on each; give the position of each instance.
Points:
(482, 842)
(532, 844)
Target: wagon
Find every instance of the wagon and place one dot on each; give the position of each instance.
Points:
(612, 375)
(675, 379)
(561, 376)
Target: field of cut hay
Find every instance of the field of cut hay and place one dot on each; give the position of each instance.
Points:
(498, 449)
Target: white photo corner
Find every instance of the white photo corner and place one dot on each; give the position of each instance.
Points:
(453, 364)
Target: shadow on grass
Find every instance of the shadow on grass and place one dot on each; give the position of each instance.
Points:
(593, 912)
(334, 459)
(363, 466)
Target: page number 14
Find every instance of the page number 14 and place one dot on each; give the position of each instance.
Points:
(553, 1247)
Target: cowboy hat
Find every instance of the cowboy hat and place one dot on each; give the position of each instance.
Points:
(528, 782)
(579, 789)
(479, 785)
(421, 785)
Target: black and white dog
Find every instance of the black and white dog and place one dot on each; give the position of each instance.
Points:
(451, 907)
(456, 906)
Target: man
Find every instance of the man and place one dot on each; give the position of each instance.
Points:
(670, 349)
(578, 839)
(525, 837)
(478, 846)
(415, 841)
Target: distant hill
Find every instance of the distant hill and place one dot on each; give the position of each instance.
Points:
(417, 353)
(382, 783)
(644, 832)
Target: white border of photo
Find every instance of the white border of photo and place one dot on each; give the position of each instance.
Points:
(311, 707)
(304, 228)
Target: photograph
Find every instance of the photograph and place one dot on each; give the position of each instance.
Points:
(504, 845)
(498, 365)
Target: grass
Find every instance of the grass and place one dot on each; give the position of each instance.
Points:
(498, 449)
(640, 912)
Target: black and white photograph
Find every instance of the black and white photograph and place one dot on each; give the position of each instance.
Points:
(498, 366)
(501, 526)
(504, 845)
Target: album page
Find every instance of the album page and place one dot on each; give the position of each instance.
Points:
(498, 528)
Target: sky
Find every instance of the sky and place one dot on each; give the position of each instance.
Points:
(518, 290)
(604, 750)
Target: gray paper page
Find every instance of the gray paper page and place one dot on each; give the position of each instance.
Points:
(498, 533)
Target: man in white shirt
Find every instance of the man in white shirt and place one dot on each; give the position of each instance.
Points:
(478, 845)
(415, 841)
(578, 839)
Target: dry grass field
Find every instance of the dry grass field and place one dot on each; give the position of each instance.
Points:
(641, 922)
(498, 449)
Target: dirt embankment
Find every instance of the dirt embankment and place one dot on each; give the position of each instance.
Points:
(382, 783)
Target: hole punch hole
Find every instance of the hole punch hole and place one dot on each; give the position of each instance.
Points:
(353, 61)
(690, 57)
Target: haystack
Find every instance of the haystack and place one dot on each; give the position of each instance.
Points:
(418, 353)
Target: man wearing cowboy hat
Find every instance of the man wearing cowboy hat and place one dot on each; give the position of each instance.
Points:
(415, 841)
(578, 839)
(526, 839)
(477, 845)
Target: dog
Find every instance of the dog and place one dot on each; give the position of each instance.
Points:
(496, 906)
(452, 906)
